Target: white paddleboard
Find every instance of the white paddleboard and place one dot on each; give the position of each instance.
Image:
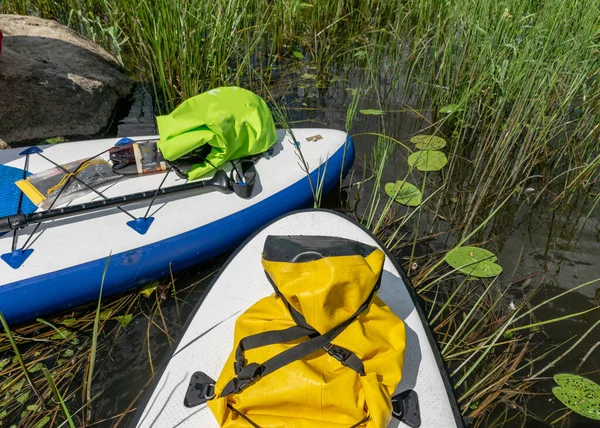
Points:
(207, 339)
(59, 264)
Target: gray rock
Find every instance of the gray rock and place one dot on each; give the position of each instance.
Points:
(54, 83)
(3, 145)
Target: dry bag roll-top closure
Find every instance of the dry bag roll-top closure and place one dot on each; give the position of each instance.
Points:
(219, 125)
(322, 351)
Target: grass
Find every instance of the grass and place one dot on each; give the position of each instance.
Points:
(513, 86)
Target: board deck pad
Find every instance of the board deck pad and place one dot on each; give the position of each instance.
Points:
(207, 339)
(10, 193)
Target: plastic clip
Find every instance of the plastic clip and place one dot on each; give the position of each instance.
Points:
(339, 353)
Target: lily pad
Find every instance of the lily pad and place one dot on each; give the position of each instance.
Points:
(428, 160)
(474, 261)
(428, 142)
(579, 394)
(404, 193)
(372, 112)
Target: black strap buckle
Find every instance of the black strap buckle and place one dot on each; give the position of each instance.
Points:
(337, 352)
(405, 408)
(200, 390)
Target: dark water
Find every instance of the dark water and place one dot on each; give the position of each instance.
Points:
(555, 246)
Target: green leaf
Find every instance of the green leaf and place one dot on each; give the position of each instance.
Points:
(4, 362)
(54, 140)
(42, 423)
(105, 314)
(404, 193)
(298, 54)
(450, 108)
(68, 321)
(68, 353)
(579, 394)
(33, 408)
(474, 261)
(39, 366)
(149, 289)
(428, 142)
(23, 397)
(17, 386)
(371, 112)
(124, 320)
(428, 160)
(62, 334)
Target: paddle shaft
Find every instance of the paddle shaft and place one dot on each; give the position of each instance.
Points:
(219, 182)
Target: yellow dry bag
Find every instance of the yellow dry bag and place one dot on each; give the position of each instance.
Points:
(322, 351)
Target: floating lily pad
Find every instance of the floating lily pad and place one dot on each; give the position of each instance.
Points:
(579, 394)
(371, 111)
(404, 193)
(428, 142)
(428, 160)
(474, 261)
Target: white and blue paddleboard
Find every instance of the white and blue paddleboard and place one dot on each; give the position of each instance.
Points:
(59, 264)
(207, 338)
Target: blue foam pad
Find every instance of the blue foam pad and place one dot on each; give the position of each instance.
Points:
(10, 193)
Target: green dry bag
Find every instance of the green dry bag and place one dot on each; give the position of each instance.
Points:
(234, 121)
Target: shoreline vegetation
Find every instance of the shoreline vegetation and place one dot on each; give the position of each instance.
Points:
(508, 94)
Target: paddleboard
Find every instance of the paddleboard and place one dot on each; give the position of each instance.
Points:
(60, 263)
(207, 338)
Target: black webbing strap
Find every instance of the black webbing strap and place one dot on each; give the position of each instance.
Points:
(296, 316)
(268, 338)
(251, 372)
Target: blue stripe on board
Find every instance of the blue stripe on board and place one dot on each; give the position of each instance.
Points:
(10, 193)
(33, 297)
